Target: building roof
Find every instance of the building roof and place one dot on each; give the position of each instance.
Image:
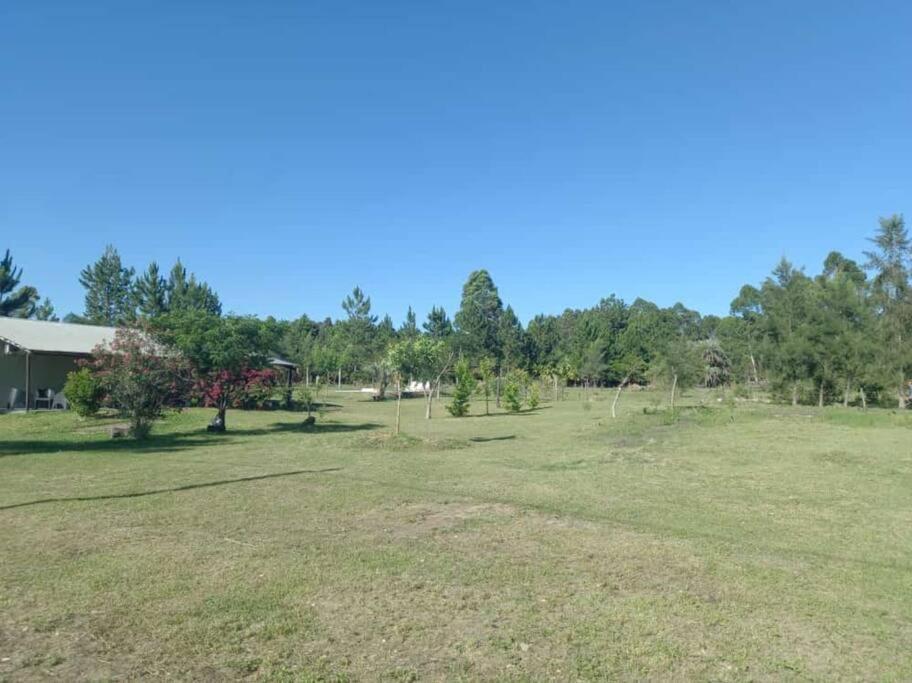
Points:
(46, 337)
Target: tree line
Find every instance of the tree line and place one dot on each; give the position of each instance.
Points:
(841, 335)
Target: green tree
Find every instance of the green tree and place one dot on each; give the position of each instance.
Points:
(45, 311)
(438, 325)
(221, 351)
(513, 387)
(487, 370)
(409, 328)
(15, 301)
(679, 365)
(462, 392)
(186, 293)
(890, 262)
(478, 318)
(109, 287)
(150, 293)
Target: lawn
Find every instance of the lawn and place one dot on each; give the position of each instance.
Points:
(759, 542)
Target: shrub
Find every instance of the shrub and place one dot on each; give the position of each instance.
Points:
(512, 392)
(462, 393)
(84, 392)
(534, 396)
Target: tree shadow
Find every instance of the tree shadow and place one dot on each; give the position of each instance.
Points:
(169, 443)
(185, 487)
(486, 439)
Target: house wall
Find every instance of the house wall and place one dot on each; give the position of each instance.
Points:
(48, 372)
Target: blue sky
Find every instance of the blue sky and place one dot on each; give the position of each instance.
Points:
(287, 151)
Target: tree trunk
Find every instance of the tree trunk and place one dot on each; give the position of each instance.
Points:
(795, 394)
(617, 396)
(428, 397)
(497, 389)
(307, 376)
(398, 403)
(340, 378)
(845, 395)
(754, 368)
(554, 377)
(901, 395)
(674, 387)
(864, 399)
(820, 395)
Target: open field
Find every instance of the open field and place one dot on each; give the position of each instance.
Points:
(767, 543)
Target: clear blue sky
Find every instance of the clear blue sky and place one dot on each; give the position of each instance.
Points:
(287, 151)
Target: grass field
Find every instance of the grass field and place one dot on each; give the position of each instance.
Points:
(764, 543)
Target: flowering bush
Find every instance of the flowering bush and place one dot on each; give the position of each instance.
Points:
(139, 378)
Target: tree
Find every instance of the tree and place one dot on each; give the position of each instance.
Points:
(716, 365)
(626, 367)
(185, 293)
(679, 365)
(462, 392)
(109, 286)
(409, 328)
(478, 318)
(358, 306)
(139, 377)
(221, 350)
(513, 386)
(15, 303)
(890, 262)
(486, 369)
(45, 311)
(438, 325)
(151, 293)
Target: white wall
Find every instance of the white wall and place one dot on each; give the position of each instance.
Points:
(48, 372)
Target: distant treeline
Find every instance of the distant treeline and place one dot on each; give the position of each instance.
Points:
(844, 335)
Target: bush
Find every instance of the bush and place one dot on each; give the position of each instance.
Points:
(512, 392)
(84, 392)
(462, 393)
(534, 396)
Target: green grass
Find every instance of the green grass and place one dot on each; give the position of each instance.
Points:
(764, 543)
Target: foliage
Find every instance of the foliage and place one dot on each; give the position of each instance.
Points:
(462, 391)
(139, 377)
(512, 392)
(478, 318)
(84, 392)
(109, 290)
(534, 396)
(15, 301)
(486, 370)
(308, 395)
(224, 353)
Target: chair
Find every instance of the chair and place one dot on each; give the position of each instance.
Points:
(60, 402)
(13, 399)
(44, 398)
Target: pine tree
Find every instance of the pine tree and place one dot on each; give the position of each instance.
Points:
(409, 329)
(15, 303)
(109, 289)
(45, 311)
(187, 294)
(151, 293)
(462, 392)
(438, 325)
(479, 316)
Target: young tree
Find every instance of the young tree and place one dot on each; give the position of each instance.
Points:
(109, 286)
(221, 350)
(15, 303)
(150, 293)
(513, 387)
(462, 392)
(679, 365)
(402, 362)
(486, 369)
(626, 367)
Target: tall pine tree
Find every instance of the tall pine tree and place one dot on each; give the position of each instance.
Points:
(15, 303)
(109, 290)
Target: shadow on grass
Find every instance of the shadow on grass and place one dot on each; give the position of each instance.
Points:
(486, 439)
(185, 487)
(159, 443)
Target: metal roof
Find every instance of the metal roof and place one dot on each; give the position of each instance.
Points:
(46, 337)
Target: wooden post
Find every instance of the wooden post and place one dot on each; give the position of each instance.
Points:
(28, 380)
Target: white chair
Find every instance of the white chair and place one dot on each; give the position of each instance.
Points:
(60, 402)
(14, 399)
